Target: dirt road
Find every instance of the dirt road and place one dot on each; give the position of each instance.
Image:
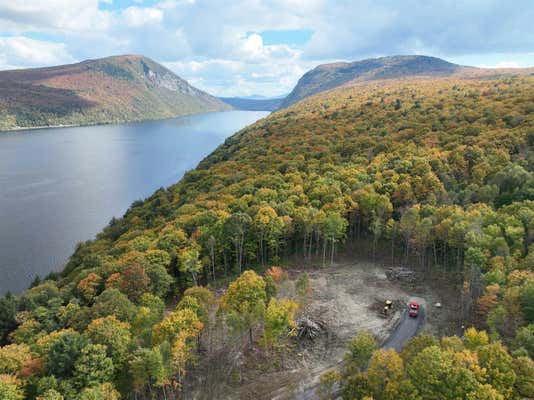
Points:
(407, 328)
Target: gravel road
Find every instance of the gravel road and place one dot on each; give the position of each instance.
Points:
(407, 328)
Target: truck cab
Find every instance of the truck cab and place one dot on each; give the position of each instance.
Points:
(413, 309)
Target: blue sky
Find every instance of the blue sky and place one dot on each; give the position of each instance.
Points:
(263, 46)
(296, 37)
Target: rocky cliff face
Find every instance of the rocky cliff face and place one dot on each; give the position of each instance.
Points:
(112, 89)
(168, 80)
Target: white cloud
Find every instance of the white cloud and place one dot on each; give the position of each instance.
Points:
(217, 44)
(251, 49)
(253, 46)
(136, 17)
(505, 64)
(18, 52)
(53, 15)
(240, 78)
(168, 4)
(364, 28)
(501, 64)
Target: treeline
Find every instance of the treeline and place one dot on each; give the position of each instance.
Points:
(451, 368)
(127, 341)
(442, 170)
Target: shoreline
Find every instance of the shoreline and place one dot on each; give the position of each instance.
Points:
(178, 125)
(31, 128)
(103, 123)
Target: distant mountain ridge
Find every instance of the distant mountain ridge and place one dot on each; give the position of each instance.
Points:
(329, 76)
(106, 90)
(261, 97)
(254, 103)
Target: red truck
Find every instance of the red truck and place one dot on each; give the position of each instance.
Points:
(413, 309)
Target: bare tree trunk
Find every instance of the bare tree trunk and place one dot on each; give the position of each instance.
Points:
(422, 258)
(407, 252)
(310, 244)
(241, 253)
(225, 264)
(238, 256)
(445, 252)
(324, 251)
(332, 252)
(392, 249)
(213, 268)
(211, 244)
(304, 247)
(261, 251)
(374, 248)
(212, 262)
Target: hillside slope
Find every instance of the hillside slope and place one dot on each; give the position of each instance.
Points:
(328, 76)
(454, 155)
(113, 89)
(438, 172)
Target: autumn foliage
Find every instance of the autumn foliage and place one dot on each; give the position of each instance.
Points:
(276, 273)
(437, 172)
(472, 368)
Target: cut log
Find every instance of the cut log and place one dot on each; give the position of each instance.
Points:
(401, 274)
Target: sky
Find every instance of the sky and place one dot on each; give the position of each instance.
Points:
(262, 47)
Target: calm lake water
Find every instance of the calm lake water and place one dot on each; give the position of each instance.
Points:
(62, 186)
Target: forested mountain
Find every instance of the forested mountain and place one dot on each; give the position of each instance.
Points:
(112, 89)
(328, 76)
(442, 170)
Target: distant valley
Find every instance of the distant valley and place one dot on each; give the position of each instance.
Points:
(107, 90)
(254, 104)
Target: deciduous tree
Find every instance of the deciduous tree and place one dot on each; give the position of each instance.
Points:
(359, 352)
(279, 320)
(244, 302)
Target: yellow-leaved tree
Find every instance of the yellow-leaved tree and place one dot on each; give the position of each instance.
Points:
(244, 302)
(279, 321)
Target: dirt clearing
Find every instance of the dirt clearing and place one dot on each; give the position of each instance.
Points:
(345, 299)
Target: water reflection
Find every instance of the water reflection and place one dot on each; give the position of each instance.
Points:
(61, 186)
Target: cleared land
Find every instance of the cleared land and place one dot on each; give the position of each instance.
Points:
(346, 299)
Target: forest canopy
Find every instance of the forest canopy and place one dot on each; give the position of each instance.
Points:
(443, 169)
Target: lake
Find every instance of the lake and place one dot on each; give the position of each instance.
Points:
(62, 186)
